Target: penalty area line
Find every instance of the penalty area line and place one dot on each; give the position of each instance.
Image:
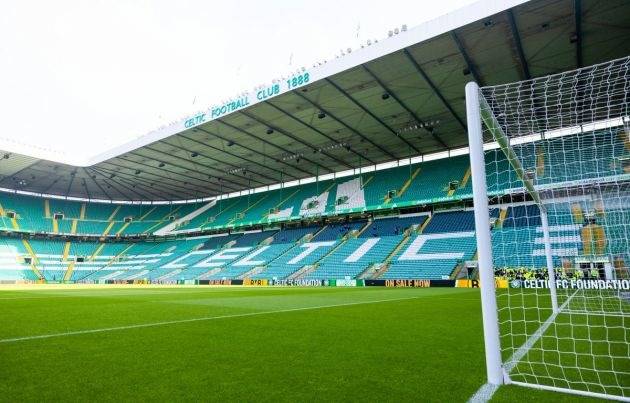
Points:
(191, 320)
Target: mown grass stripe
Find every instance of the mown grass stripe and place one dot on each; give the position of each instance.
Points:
(191, 320)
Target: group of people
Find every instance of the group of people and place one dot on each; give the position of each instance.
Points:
(526, 273)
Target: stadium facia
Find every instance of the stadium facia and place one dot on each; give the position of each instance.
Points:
(397, 98)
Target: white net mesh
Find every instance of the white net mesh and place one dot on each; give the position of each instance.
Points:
(560, 146)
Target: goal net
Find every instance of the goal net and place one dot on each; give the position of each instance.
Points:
(551, 178)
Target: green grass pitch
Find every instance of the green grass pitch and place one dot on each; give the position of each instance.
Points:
(245, 344)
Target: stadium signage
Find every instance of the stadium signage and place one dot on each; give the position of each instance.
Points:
(220, 282)
(195, 120)
(247, 99)
(297, 283)
(229, 107)
(268, 92)
(255, 282)
(343, 283)
(574, 284)
(408, 283)
(466, 283)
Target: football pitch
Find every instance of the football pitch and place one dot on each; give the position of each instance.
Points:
(72, 343)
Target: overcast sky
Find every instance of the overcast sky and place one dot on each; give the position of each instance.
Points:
(86, 75)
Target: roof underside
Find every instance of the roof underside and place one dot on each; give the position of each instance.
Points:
(345, 121)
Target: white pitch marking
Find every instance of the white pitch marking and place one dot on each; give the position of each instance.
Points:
(485, 392)
(206, 318)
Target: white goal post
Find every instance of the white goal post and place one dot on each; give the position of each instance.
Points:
(550, 164)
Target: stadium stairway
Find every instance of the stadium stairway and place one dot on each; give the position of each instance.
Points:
(462, 183)
(145, 215)
(123, 228)
(308, 269)
(383, 267)
(219, 215)
(284, 208)
(310, 237)
(82, 211)
(279, 240)
(502, 215)
(96, 252)
(250, 207)
(68, 274)
(577, 213)
(46, 208)
(109, 227)
(15, 224)
(367, 181)
(251, 273)
(286, 199)
(34, 259)
(66, 251)
(183, 221)
(301, 272)
(405, 185)
(425, 224)
(113, 214)
(154, 227)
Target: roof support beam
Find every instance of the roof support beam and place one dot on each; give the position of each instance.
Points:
(284, 133)
(85, 186)
(236, 155)
(404, 106)
(469, 63)
(518, 45)
(186, 160)
(372, 115)
(433, 87)
(163, 141)
(97, 184)
(577, 7)
(295, 138)
(20, 171)
(204, 181)
(238, 129)
(168, 179)
(136, 184)
(52, 183)
(316, 130)
(123, 195)
(356, 132)
(166, 189)
(140, 197)
(72, 175)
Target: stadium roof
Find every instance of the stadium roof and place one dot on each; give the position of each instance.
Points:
(396, 98)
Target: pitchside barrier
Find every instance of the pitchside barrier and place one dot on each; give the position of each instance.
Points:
(392, 283)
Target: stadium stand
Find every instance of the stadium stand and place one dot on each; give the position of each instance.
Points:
(446, 241)
(428, 246)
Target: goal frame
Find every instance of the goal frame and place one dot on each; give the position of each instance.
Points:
(479, 113)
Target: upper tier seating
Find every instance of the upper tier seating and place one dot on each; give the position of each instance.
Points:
(36, 214)
(557, 161)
